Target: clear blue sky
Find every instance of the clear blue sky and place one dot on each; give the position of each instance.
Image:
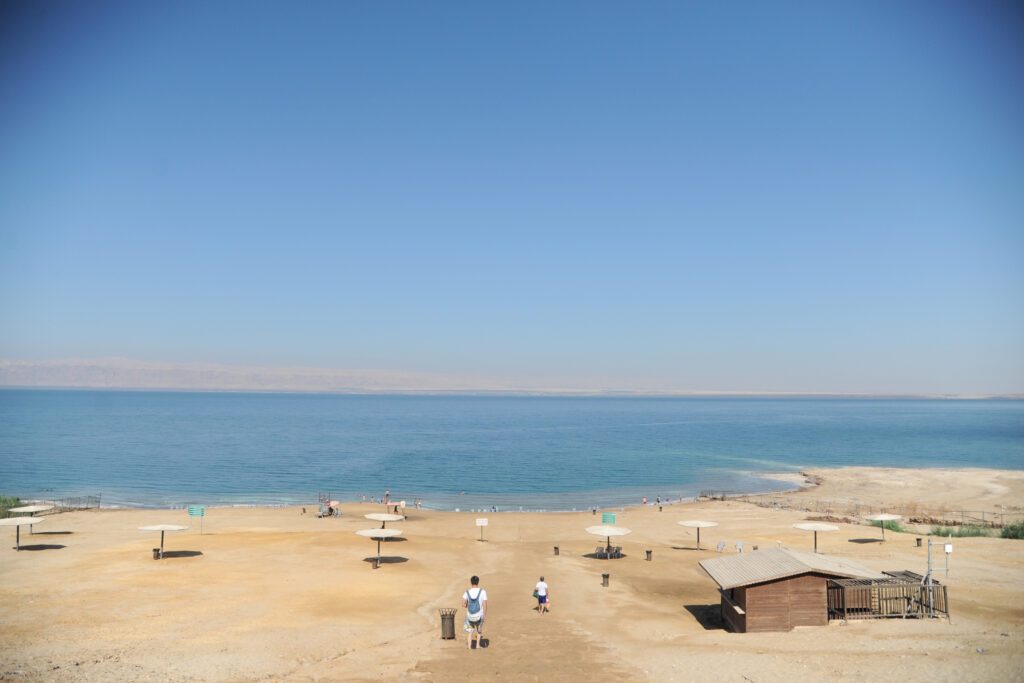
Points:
(727, 196)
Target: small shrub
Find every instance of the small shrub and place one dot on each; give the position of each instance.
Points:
(8, 502)
(1013, 530)
(959, 531)
(890, 525)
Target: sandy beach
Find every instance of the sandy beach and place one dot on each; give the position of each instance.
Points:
(272, 594)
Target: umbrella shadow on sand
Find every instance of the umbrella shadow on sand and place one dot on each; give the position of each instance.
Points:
(595, 556)
(864, 540)
(181, 553)
(708, 616)
(386, 560)
(53, 533)
(43, 546)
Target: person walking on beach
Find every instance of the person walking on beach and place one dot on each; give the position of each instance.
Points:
(541, 591)
(475, 602)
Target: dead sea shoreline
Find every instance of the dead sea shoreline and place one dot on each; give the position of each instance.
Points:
(807, 482)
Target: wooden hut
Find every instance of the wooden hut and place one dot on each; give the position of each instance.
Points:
(778, 589)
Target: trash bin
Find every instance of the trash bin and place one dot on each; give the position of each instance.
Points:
(448, 623)
(156, 553)
(919, 543)
(604, 579)
(556, 550)
(649, 554)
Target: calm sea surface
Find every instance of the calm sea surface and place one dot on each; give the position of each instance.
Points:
(156, 448)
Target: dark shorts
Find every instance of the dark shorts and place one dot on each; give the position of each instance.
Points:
(542, 599)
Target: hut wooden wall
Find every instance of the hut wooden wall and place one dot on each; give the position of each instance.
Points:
(734, 621)
(781, 605)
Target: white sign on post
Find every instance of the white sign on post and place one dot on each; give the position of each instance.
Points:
(481, 522)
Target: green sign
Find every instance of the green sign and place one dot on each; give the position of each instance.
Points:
(196, 510)
(607, 518)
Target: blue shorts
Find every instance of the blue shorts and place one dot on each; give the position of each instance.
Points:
(542, 599)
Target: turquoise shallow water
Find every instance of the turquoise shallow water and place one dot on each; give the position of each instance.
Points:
(161, 448)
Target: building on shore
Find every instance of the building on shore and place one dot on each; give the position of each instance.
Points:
(778, 589)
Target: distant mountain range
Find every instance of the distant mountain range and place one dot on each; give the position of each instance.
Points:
(131, 374)
(117, 373)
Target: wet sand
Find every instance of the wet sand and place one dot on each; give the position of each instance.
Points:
(269, 593)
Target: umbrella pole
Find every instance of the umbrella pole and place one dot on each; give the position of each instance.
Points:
(815, 541)
(17, 538)
(698, 538)
(377, 566)
(161, 544)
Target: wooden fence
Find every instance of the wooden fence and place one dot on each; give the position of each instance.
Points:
(850, 599)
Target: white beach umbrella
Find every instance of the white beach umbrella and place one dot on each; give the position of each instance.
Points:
(608, 532)
(384, 518)
(697, 524)
(378, 535)
(815, 527)
(17, 523)
(884, 517)
(31, 510)
(162, 528)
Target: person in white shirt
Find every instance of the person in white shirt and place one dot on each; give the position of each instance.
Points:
(475, 602)
(542, 596)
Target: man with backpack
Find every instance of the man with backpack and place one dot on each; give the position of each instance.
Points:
(475, 602)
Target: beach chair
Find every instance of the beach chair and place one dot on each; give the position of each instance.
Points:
(601, 552)
(739, 546)
(721, 546)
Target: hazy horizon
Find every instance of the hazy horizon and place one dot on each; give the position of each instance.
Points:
(674, 197)
(155, 376)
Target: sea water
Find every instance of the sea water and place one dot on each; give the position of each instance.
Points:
(165, 448)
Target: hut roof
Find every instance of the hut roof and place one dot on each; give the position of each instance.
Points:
(779, 563)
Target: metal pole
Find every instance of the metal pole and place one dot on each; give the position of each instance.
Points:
(161, 544)
(17, 538)
(928, 586)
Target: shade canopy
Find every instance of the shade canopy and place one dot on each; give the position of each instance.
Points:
(603, 530)
(815, 526)
(384, 517)
(884, 517)
(163, 527)
(20, 521)
(32, 508)
(379, 533)
(697, 523)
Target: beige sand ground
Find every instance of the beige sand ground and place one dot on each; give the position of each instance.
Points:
(275, 595)
(976, 490)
